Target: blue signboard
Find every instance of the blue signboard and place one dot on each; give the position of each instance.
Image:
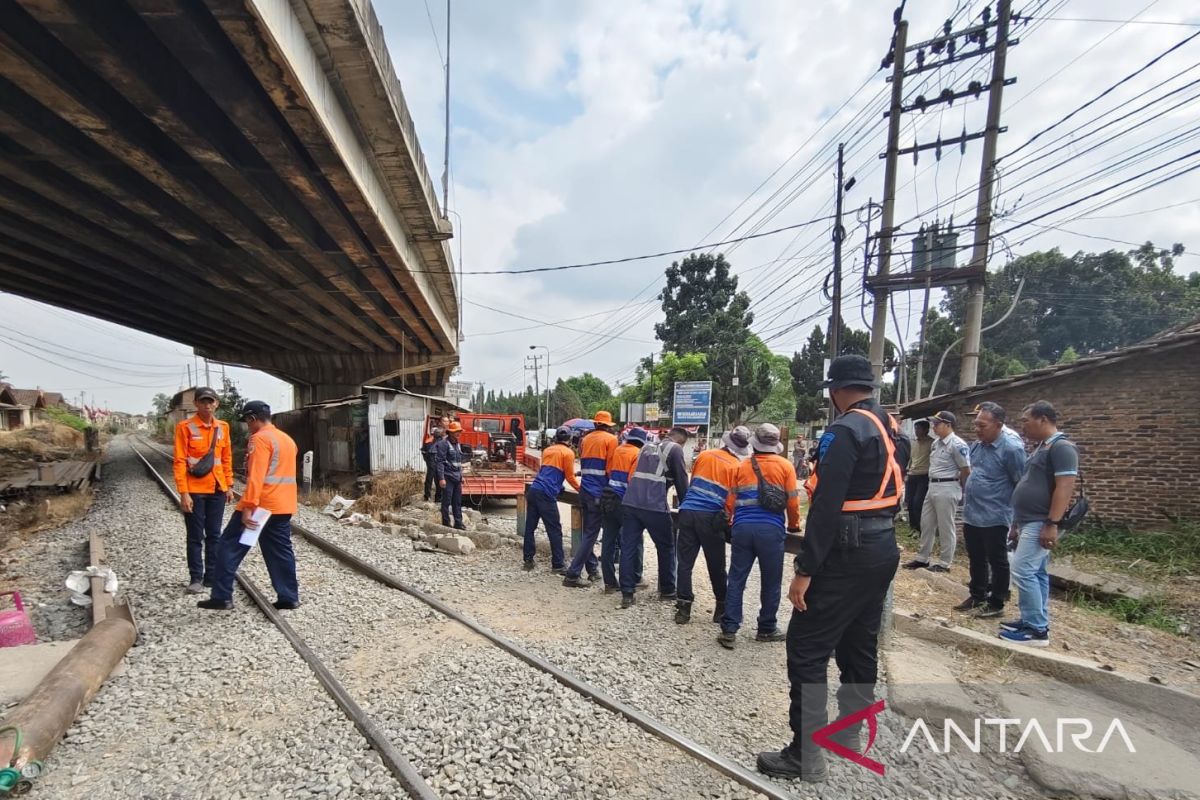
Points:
(693, 399)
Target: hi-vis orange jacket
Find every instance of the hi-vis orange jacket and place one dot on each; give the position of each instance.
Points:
(192, 440)
(270, 472)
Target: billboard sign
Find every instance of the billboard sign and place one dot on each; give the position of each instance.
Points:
(693, 401)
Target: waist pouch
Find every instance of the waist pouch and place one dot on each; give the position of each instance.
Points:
(853, 530)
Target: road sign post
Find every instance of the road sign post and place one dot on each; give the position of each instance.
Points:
(692, 403)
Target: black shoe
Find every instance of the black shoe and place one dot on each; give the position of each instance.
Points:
(718, 612)
(527, 566)
(970, 604)
(611, 589)
(770, 636)
(558, 570)
(288, 605)
(783, 764)
(215, 605)
(627, 600)
(672, 597)
(683, 613)
(576, 582)
(914, 564)
(989, 611)
(849, 738)
(937, 568)
(727, 640)
(460, 527)
(593, 577)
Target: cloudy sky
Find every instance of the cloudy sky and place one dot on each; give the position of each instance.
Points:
(584, 131)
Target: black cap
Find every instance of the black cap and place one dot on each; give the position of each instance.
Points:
(682, 431)
(207, 391)
(257, 409)
(850, 371)
(944, 416)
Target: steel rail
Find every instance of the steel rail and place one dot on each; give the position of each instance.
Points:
(664, 732)
(393, 759)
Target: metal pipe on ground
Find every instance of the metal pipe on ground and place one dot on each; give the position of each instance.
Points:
(45, 715)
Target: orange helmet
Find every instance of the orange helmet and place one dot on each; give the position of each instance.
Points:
(454, 426)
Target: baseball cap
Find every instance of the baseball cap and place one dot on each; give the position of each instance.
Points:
(944, 416)
(207, 393)
(257, 409)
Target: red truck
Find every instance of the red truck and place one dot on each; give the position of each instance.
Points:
(498, 466)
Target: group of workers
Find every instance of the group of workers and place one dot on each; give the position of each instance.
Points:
(624, 490)
(203, 471)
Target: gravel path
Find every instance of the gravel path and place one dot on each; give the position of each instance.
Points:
(210, 705)
(733, 702)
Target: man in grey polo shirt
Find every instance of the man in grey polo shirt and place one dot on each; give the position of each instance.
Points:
(949, 466)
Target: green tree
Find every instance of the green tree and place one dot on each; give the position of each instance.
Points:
(161, 404)
(565, 404)
(594, 393)
(658, 385)
(1069, 356)
(807, 371)
(779, 406)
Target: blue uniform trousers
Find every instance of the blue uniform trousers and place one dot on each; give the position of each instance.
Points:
(586, 554)
(751, 541)
(634, 522)
(452, 501)
(610, 550)
(540, 507)
(276, 544)
(203, 532)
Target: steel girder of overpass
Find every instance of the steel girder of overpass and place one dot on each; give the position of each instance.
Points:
(238, 175)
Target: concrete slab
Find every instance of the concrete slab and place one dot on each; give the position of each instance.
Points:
(1166, 701)
(920, 684)
(1065, 576)
(22, 668)
(1158, 768)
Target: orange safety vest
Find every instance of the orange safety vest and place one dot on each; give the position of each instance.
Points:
(891, 475)
(270, 472)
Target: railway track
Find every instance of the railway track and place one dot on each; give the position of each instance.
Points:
(404, 771)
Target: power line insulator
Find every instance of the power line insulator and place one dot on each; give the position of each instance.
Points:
(976, 88)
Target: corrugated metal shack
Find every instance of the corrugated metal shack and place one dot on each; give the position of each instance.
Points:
(380, 430)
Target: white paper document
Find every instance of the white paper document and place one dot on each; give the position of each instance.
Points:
(249, 536)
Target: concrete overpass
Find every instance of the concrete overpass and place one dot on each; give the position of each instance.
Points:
(241, 176)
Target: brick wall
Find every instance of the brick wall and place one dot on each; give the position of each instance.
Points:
(1137, 425)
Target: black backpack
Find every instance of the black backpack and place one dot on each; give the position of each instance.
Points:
(770, 496)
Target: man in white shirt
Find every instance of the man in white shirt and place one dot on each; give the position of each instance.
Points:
(949, 466)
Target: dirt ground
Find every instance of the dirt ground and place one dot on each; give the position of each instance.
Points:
(1080, 632)
(23, 450)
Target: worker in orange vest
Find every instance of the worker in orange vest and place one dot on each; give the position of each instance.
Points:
(595, 462)
(765, 505)
(204, 480)
(541, 500)
(267, 506)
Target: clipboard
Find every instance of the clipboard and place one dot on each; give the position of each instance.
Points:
(249, 536)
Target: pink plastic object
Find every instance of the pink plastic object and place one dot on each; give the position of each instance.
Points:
(15, 627)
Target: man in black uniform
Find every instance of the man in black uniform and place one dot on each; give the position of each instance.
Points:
(847, 561)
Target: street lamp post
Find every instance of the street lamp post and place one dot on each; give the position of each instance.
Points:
(547, 349)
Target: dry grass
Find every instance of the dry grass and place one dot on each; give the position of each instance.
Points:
(390, 491)
(24, 518)
(320, 496)
(22, 444)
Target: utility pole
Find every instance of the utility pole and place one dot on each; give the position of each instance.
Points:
(972, 334)
(207, 374)
(189, 369)
(737, 388)
(879, 320)
(537, 389)
(839, 233)
(446, 155)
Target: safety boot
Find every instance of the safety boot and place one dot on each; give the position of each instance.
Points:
(808, 765)
(719, 611)
(683, 612)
